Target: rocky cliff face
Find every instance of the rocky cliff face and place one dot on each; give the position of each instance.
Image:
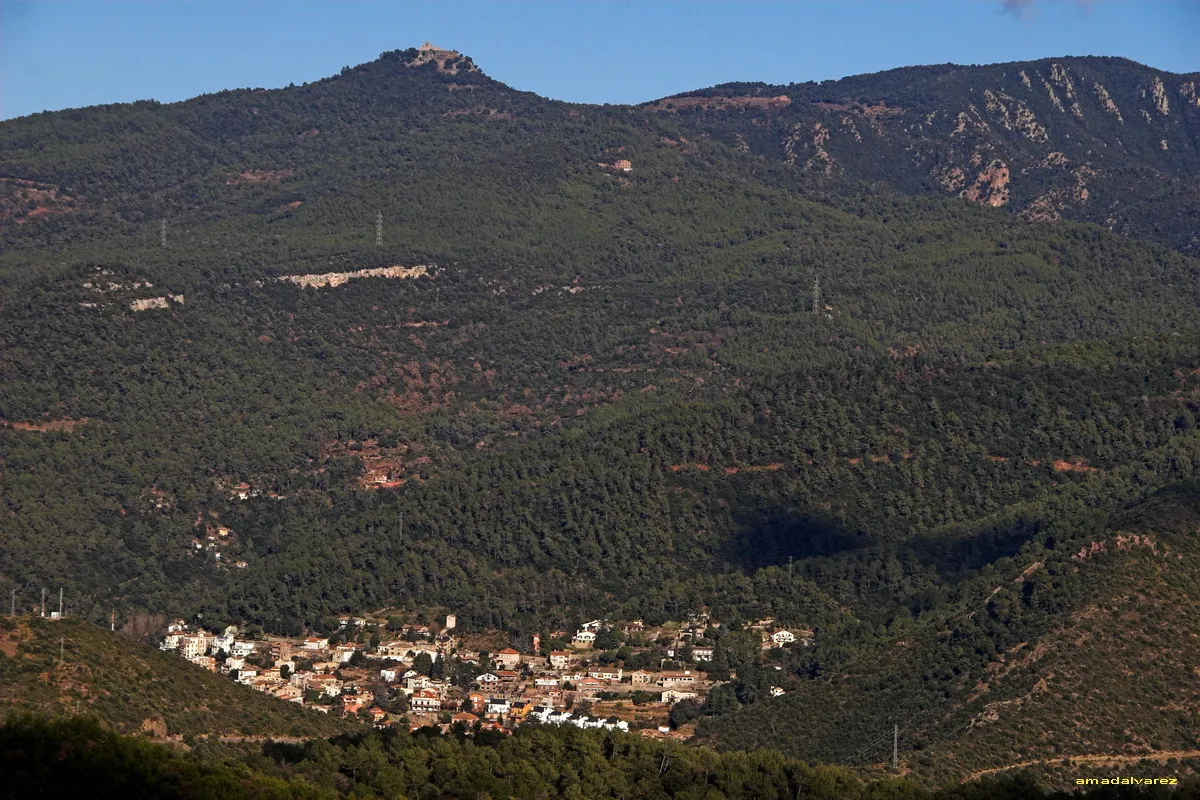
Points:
(1096, 139)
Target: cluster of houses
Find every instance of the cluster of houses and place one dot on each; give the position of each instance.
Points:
(428, 677)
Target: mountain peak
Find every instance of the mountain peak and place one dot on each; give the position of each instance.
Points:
(449, 62)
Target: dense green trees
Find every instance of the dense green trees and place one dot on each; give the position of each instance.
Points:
(80, 757)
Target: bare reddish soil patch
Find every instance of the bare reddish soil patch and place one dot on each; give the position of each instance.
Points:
(22, 200)
(728, 470)
(486, 113)
(259, 176)
(46, 425)
(675, 104)
(11, 640)
(1073, 465)
(881, 110)
(415, 386)
(685, 145)
(383, 467)
(991, 185)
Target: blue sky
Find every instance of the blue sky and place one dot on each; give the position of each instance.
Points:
(69, 53)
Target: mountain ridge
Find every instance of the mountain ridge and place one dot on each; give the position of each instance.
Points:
(1097, 139)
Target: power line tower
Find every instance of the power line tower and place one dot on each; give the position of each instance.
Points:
(379, 229)
(895, 747)
(162, 233)
(816, 308)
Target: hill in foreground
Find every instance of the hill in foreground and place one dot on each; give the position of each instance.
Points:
(1079, 657)
(132, 687)
(79, 756)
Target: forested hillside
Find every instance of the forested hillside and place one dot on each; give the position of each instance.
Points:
(409, 338)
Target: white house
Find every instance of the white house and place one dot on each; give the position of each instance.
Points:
(584, 638)
(781, 638)
(225, 641)
(242, 649)
(487, 679)
(670, 678)
(497, 705)
(388, 675)
(606, 673)
(344, 653)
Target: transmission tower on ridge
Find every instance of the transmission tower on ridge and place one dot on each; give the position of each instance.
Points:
(816, 308)
(379, 229)
(162, 233)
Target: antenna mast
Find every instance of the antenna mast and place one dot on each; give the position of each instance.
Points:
(895, 747)
(162, 233)
(816, 308)
(379, 229)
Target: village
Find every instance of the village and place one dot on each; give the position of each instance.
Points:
(387, 670)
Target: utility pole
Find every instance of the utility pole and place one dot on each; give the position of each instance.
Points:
(43, 601)
(162, 233)
(112, 625)
(379, 229)
(895, 747)
(13, 611)
(817, 295)
(60, 606)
